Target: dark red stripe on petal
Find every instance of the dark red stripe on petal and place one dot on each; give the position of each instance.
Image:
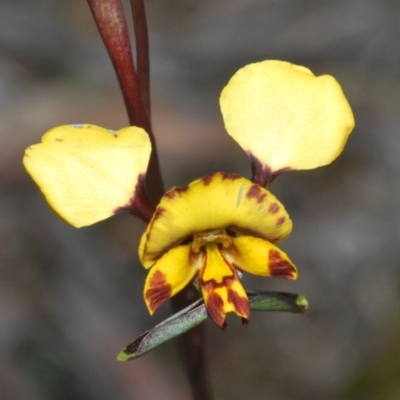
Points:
(256, 192)
(159, 291)
(175, 192)
(158, 213)
(240, 303)
(279, 267)
(230, 177)
(280, 221)
(207, 179)
(215, 308)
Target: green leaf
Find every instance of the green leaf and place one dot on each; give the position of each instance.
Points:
(174, 326)
(277, 301)
(196, 313)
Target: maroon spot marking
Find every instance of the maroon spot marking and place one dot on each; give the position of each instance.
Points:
(175, 192)
(207, 179)
(159, 212)
(215, 304)
(215, 308)
(159, 290)
(262, 174)
(284, 169)
(280, 221)
(139, 204)
(231, 177)
(224, 176)
(256, 192)
(273, 208)
(241, 304)
(279, 267)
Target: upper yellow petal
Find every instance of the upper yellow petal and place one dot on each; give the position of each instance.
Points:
(86, 172)
(286, 117)
(215, 201)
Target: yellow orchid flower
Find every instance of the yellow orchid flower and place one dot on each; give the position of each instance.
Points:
(213, 228)
(284, 118)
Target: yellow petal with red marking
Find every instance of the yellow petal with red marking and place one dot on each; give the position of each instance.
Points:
(215, 201)
(259, 257)
(169, 275)
(286, 117)
(86, 172)
(221, 288)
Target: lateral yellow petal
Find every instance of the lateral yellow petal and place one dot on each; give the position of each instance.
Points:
(285, 117)
(259, 257)
(168, 276)
(86, 172)
(216, 201)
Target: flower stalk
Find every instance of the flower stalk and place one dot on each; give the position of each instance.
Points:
(111, 23)
(142, 53)
(135, 87)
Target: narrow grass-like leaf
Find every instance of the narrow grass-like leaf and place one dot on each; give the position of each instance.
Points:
(196, 313)
(277, 301)
(175, 325)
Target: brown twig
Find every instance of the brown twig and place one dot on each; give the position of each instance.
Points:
(142, 51)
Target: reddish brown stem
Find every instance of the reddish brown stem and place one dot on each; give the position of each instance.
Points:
(110, 20)
(142, 51)
(191, 346)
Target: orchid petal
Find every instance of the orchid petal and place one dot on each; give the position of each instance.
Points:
(221, 288)
(168, 276)
(284, 117)
(215, 201)
(88, 173)
(259, 257)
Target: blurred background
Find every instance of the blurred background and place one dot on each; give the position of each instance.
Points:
(70, 299)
